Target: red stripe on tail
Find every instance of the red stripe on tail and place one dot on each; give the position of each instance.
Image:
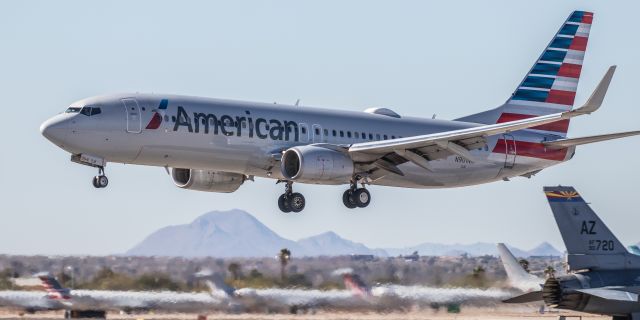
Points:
(533, 150)
(558, 126)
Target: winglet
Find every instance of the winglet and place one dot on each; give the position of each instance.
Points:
(595, 100)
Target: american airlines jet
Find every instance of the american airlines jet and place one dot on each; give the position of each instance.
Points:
(216, 145)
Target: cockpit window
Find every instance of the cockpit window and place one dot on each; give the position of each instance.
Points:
(90, 111)
(73, 110)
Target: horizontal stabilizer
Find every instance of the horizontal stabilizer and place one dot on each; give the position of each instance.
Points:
(611, 294)
(533, 296)
(565, 143)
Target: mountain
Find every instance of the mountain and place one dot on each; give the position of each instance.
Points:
(473, 249)
(331, 244)
(233, 233)
(236, 233)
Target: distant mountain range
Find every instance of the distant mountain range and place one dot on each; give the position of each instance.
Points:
(236, 233)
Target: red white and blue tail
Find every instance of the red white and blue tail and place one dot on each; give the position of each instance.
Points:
(550, 86)
(53, 288)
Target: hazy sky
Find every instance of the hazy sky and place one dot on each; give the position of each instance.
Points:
(451, 58)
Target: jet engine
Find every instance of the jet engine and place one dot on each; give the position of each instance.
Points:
(315, 164)
(561, 292)
(205, 180)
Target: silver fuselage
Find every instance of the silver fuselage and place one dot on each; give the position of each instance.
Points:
(248, 138)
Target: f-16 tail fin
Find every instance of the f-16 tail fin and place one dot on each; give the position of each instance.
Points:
(550, 85)
(518, 277)
(590, 244)
(53, 288)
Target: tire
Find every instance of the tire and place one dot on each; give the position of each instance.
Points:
(297, 202)
(95, 182)
(283, 204)
(102, 181)
(362, 197)
(347, 199)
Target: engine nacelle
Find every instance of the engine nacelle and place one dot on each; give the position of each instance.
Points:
(205, 180)
(316, 164)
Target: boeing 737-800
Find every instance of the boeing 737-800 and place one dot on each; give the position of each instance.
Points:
(216, 145)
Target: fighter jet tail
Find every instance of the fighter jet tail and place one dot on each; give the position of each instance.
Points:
(590, 244)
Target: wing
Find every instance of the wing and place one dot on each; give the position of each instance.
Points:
(421, 149)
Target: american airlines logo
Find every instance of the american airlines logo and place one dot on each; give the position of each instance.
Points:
(227, 125)
(156, 120)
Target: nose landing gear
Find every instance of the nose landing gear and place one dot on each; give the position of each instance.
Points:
(100, 181)
(291, 201)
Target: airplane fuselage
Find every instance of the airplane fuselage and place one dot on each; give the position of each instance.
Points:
(248, 138)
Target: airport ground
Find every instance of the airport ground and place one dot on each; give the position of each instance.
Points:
(499, 313)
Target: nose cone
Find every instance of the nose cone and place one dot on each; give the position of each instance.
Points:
(55, 129)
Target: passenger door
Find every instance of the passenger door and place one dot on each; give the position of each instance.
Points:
(510, 151)
(132, 111)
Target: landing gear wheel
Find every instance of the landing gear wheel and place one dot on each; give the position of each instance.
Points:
(361, 197)
(347, 199)
(296, 202)
(283, 203)
(95, 182)
(102, 181)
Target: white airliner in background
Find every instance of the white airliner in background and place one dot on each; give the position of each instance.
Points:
(216, 145)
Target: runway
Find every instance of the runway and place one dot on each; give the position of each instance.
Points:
(528, 313)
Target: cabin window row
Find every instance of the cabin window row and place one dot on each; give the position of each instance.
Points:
(303, 130)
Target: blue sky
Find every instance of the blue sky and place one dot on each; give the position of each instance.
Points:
(450, 58)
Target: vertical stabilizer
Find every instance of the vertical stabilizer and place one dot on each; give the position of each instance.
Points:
(53, 288)
(518, 277)
(550, 85)
(590, 244)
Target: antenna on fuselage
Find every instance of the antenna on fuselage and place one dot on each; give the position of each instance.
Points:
(297, 103)
(433, 116)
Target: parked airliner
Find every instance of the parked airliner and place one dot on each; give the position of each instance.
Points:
(216, 145)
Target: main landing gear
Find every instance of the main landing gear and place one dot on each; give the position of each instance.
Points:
(355, 197)
(291, 201)
(100, 181)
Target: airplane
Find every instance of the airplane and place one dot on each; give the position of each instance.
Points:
(518, 277)
(80, 303)
(356, 296)
(605, 277)
(216, 145)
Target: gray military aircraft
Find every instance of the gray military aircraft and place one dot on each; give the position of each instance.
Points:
(605, 278)
(216, 145)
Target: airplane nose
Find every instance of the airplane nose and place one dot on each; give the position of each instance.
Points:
(55, 130)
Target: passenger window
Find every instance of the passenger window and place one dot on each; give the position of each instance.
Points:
(334, 133)
(303, 130)
(385, 137)
(317, 131)
(95, 111)
(364, 135)
(393, 137)
(370, 136)
(341, 134)
(349, 134)
(377, 136)
(86, 111)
